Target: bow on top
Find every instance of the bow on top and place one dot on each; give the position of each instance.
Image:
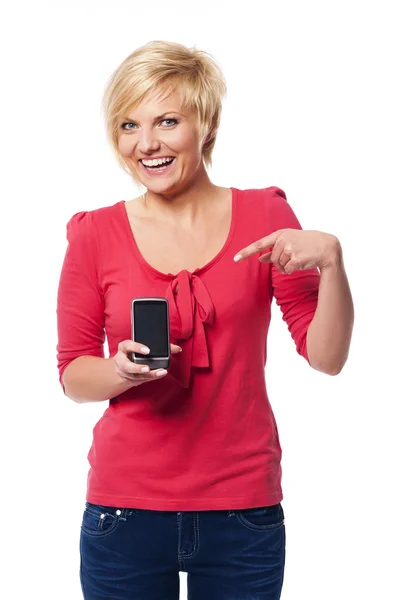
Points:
(190, 307)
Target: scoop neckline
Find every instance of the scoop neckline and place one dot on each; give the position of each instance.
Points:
(138, 255)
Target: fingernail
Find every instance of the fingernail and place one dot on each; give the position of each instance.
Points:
(180, 349)
(145, 350)
(145, 369)
(161, 373)
(238, 257)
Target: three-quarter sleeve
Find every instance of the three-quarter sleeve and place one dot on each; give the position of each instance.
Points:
(80, 302)
(296, 294)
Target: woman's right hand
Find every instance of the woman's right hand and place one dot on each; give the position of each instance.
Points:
(132, 371)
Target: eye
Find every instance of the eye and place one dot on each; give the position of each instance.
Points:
(175, 121)
(123, 125)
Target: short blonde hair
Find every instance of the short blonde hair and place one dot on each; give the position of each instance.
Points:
(159, 67)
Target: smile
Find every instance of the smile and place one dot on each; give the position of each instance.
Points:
(157, 169)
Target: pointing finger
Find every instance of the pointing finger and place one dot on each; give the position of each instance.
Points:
(262, 244)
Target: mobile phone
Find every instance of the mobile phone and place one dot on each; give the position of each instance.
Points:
(150, 327)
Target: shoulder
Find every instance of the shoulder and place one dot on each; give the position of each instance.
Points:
(266, 194)
(268, 198)
(86, 223)
(274, 206)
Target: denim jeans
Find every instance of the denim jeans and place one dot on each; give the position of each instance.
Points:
(137, 554)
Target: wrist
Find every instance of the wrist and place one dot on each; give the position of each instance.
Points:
(334, 257)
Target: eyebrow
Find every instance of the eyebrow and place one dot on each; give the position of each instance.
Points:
(156, 118)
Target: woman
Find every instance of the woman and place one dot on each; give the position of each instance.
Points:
(185, 468)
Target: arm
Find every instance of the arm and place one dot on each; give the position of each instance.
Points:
(315, 304)
(92, 379)
(84, 373)
(329, 333)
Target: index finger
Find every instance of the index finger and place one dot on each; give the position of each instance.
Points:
(262, 244)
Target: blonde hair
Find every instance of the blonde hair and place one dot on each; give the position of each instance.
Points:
(159, 67)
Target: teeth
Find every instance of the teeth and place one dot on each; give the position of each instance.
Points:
(158, 161)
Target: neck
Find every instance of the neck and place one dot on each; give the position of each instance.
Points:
(186, 206)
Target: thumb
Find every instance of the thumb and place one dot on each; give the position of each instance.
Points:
(175, 348)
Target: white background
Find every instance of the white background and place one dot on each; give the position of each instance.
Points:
(312, 107)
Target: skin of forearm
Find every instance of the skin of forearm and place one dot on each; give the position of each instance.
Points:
(329, 333)
(93, 379)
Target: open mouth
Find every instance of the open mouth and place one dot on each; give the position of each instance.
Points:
(158, 168)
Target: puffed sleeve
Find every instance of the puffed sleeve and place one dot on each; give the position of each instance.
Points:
(296, 294)
(80, 302)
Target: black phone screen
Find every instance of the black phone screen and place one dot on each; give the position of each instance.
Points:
(150, 327)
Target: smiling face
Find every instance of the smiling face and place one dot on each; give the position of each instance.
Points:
(162, 129)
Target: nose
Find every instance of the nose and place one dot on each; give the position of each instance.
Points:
(148, 141)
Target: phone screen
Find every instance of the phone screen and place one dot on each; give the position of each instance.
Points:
(150, 327)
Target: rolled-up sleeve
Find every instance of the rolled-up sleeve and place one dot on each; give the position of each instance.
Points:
(80, 301)
(296, 294)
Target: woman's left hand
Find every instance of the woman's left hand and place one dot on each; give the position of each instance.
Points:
(296, 249)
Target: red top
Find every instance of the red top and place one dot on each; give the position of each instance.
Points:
(204, 437)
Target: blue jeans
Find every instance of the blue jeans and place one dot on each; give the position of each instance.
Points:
(137, 554)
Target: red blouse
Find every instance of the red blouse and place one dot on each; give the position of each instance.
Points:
(204, 437)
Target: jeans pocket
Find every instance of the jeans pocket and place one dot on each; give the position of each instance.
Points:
(261, 518)
(99, 520)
